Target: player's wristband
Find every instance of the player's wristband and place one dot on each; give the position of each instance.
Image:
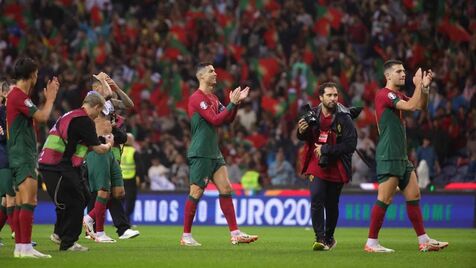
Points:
(425, 90)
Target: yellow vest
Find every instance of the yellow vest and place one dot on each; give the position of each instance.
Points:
(250, 180)
(128, 166)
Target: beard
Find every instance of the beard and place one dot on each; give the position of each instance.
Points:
(330, 106)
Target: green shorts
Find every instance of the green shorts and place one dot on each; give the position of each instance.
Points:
(202, 169)
(6, 182)
(103, 171)
(19, 174)
(395, 168)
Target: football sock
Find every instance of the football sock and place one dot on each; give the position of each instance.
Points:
(228, 210)
(16, 224)
(26, 222)
(100, 207)
(3, 216)
(376, 218)
(414, 214)
(10, 211)
(422, 239)
(189, 214)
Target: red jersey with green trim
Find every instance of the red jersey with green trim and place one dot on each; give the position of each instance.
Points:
(206, 113)
(21, 138)
(392, 144)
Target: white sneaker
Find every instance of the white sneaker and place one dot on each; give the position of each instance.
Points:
(189, 241)
(432, 245)
(129, 233)
(243, 238)
(378, 249)
(88, 224)
(77, 247)
(104, 239)
(33, 253)
(55, 238)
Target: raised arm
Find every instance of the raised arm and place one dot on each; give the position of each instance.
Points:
(414, 103)
(128, 103)
(50, 92)
(425, 89)
(215, 119)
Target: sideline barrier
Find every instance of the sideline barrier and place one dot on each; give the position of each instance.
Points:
(444, 210)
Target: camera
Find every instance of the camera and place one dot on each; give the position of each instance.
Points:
(323, 161)
(309, 116)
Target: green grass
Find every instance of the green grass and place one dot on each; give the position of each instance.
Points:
(158, 246)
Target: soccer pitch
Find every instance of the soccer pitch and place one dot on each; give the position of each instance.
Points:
(158, 246)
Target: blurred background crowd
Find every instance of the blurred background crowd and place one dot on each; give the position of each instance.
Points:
(282, 49)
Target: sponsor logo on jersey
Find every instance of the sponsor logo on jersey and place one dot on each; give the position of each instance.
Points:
(203, 105)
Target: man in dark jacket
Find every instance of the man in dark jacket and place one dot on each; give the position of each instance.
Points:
(331, 139)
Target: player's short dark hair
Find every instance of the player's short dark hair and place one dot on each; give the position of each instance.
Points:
(202, 65)
(323, 86)
(390, 63)
(24, 68)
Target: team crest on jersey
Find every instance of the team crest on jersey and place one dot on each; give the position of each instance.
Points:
(28, 103)
(203, 105)
(392, 95)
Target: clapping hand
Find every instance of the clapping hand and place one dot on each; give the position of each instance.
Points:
(238, 94)
(427, 78)
(51, 89)
(417, 78)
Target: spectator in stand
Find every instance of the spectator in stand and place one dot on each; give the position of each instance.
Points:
(281, 171)
(361, 171)
(247, 117)
(427, 161)
(179, 172)
(264, 42)
(158, 176)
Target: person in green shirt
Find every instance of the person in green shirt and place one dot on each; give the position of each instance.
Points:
(205, 159)
(393, 167)
(22, 114)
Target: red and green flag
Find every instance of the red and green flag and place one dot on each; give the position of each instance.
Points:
(413, 5)
(225, 77)
(332, 15)
(236, 51)
(454, 31)
(266, 68)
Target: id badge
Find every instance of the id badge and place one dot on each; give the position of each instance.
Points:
(323, 137)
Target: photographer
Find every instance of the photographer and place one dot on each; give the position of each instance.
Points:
(331, 139)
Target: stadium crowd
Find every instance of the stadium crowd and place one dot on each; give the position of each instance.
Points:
(282, 49)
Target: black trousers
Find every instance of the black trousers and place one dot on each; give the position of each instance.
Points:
(130, 187)
(324, 197)
(69, 193)
(116, 209)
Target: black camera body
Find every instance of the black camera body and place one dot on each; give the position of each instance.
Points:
(310, 116)
(323, 161)
(312, 119)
